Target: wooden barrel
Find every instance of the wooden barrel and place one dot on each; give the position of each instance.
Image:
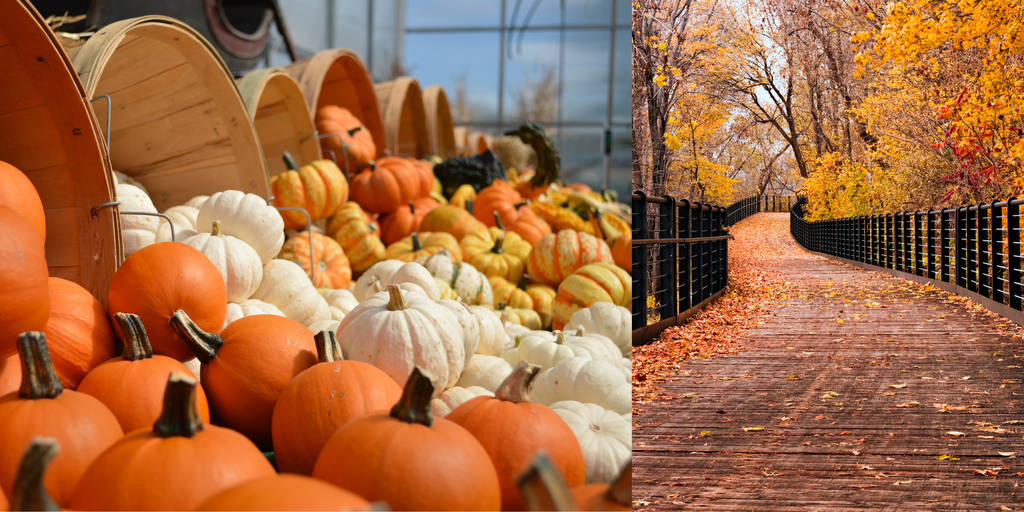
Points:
(405, 120)
(339, 77)
(278, 109)
(462, 140)
(48, 132)
(440, 129)
(480, 142)
(178, 124)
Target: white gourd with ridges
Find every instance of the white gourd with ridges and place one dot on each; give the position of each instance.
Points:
(605, 438)
(492, 336)
(137, 231)
(468, 282)
(287, 286)
(584, 380)
(239, 265)
(606, 319)
(196, 202)
(546, 349)
(467, 321)
(184, 220)
(454, 397)
(247, 218)
(124, 179)
(250, 307)
(340, 302)
(397, 272)
(487, 372)
(599, 347)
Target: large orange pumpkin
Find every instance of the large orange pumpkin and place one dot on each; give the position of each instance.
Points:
(42, 407)
(597, 282)
(499, 197)
(410, 459)
(353, 141)
(355, 234)
(10, 374)
(332, 266)
(320, 188)
(285, 492)
(556, 257)
(512, 430)
(422, 244)
(160, 279)
(78, 331)
(622, 251)
(176, 465)
(24, 290)
(390, 183)
(452, 220)
(528, 225)
(400, 223)
(18, 194)
(318, 401)
(247, 366)
(132, 386)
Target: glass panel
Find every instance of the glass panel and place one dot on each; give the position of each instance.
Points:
(386, 56)
(622, 159)
(623, 99)
(452, 13)
(531, 78)
(351, 26)
(580, 149)
(307, 22)
(585, 89)
(447, 59)
(547, 13)
(588, 12)
(623, 13)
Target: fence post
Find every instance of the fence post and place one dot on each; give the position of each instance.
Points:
(944, 245)
(889, 242)
(639, 203)
(984, 266)
(684, 230)
(995, 226)
(669, 301)
(960, 267)
(972, 248)
(1013, 262)
(929, 239)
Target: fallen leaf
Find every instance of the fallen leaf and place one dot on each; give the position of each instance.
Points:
(1006, 454)
(705, 434)
(902, 482)
(946, 457)
(897, 386)
(955, 434)
(987, 437)
(967, 378)
(752, 429)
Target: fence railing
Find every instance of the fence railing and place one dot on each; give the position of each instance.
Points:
(680, 261)
(973, 251)
(746, 207)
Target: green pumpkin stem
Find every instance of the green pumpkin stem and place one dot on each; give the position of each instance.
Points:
(497, 221)
(217, 229)
(352, 132)
(328, 350)
(516, 387)
(469, 206)
(133, 337)
(522, 204)
(621, 491)
(500, 306)
(542, 486)
(414, 405)
(203, 344)
(29, 493)
(290, 162)
(180, 417)
(412, 208)
(39, 378)
(497, 249)
(416, 242)
(398, 301)
(522, 282)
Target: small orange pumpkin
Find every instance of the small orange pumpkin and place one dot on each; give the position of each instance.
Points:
(499, 197)
(597, 282)
(622, 251)
(600, 496)
(18, 194)
(528, 225)
(556, 257)
(353, 141)
(285, 492)
(319, 188)
(390, 183)
(78, 331)
(332, 267)
(357, 237)
(422, 244)
(403, 221)
(24, 290)
(425, 173)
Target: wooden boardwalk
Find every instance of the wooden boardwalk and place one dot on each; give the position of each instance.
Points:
(907, 403)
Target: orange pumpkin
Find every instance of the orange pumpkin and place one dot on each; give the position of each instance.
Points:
(425, 174)
(42, 407)
(132, 386)
(452, 220)
(403, 221)
(10, 375)
(319, 188)
(318, 401)
(177, 464)
(160, 279)
(542, 487)
(332, 266)
(418, 245)
(355, 234)
(24, 291)
(390, 183)
(622, 251)
(18, 194)
(512, 430)
(78, 331)
(410, 459)
(528, 225)
(556, 257)
(247, 366)
(597, 282)
(353, 142)
(285, 492)
(599, 496)
(499, 197)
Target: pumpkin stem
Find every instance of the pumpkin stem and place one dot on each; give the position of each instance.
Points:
(580, 331)
(559, 338)
(504, 318)
(497, 220)
(469, 206)
(29, 493)
(621, 491)
(516, 387)
(203, 344)
(416, 242)
(376, 285)
(522, 281)
(328, 349)
(370, 227)
(39, 378)
(217, 229)
(522, 204)
(412, 208)
(542, 486)
(398, 301)
(501, 307)
(180, 417)
(289, 162)
(497, 249)
(133, 337)
(518, 339)
(414, 405)
(352, 132)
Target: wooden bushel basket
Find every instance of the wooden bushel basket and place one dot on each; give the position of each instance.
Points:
(178, 124)
(405, 121)
(278, 109)
(338, 77)
(48, 132)
(440, 129)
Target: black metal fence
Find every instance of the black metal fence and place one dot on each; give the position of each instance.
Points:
(746, 207)
(974, 251)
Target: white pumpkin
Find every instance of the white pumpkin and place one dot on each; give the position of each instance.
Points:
(446, 291)
(239, 265)
(590, 381)
(492, 336)
(123, 178)
(340, 302)
(546, 349)
(607, 319)
(627, 368)
(397, 272)
(196, 202)
(467, 321)
(512, 330)
(193, 366)
(380, 271)
(137, 231)
(184, 220)
(510, 352)
(487, 372)
(250, 307)
(605, 438)
(599, 347)
(468, 282)
(287, 286)
(325, 325)
(246, 217)
(396, 331)
(454, 397)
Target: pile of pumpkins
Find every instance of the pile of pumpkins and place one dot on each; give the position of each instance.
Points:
(398, 350)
